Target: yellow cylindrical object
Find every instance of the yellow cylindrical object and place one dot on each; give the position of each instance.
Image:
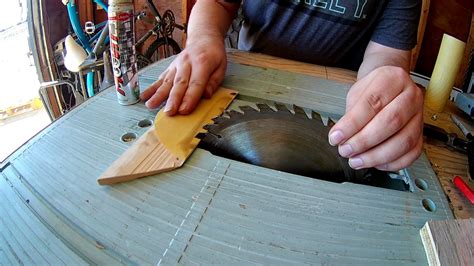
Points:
(444, 73)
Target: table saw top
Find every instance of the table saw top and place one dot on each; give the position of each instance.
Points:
(212, 210)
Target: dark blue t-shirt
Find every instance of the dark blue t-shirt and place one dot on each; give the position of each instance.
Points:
(327, 32)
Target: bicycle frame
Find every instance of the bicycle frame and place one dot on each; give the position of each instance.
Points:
(101, 37)
(76, 24)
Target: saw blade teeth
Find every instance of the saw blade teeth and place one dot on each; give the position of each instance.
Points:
(299, 110)
(219, 119)
(200, 135)
(264, 107)
(233, 113)
(330, 122)
(325, 119)
(207, 127)
(316, 116)
(247, 109)
(282, 108)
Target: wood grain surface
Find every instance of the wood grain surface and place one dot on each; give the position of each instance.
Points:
(168, 144)
(447, 162)
(449, 242)
(147, 156)
(425, 8)
(267, 61)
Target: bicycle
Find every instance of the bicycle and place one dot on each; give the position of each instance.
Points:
(163, 46)
(94, 39)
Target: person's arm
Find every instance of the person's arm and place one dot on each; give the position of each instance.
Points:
(199, 69)
(377, 55)
(383, 123)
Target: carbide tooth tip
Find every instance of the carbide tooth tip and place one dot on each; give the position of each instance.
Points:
(207, 127)
(264, 107)
(316, 116)
(233, 113)
(281, 107)
(298, 110)
(247, 109)
(331, 122)
(219, 119)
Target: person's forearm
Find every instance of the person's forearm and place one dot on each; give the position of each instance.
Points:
(377, 56)
(210, 19)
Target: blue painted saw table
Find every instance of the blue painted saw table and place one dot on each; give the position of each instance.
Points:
(212, 210)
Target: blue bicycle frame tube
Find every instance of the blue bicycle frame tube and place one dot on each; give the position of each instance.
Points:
(102, 4)
(76, 26)
(83, 39)
(90, 84)
(97, 35)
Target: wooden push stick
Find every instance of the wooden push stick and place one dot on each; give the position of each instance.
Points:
(147, 156)
(177, 133)
(444, 73)
(168, 144)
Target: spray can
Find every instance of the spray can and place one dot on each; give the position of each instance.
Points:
(122, 50)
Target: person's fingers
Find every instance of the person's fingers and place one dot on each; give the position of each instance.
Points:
(178, 89)
(197, 84)
(161, 94)
(215, 80)
(405, 160)
(393, 148)
(355, 93)
(174, 96)
(148, 92)
(378, 93)
(391, 118)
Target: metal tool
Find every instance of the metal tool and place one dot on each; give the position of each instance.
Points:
(453, 141)
(449, 139)
(465, 102)
(465, 128)
(288, 141)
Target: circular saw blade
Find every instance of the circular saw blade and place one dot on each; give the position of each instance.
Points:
(280, 140)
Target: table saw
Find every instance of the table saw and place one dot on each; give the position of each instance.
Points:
(212, 210)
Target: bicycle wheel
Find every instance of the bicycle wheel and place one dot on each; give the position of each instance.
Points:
(157, 50)
(142, 61)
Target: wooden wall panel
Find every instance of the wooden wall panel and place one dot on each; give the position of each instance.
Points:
(187, 6)
(467, 56)
(452, 17)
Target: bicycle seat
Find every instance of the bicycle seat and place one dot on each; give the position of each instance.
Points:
(75, 54)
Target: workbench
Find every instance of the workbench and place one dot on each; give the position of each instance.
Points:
(212, 210)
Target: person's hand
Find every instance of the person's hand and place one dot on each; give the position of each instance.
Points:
(197, 71)
(383, 124)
